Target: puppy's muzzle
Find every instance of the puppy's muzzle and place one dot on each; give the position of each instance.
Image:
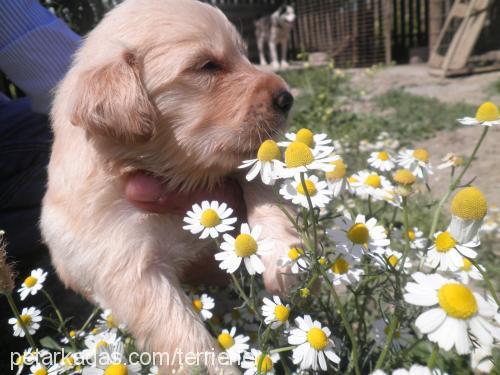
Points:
(283, 101)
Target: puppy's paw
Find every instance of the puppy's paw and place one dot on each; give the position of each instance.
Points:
(276, 65)
(284, 64)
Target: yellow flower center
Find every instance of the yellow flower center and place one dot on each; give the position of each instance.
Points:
(110, 321)
(322, 261)
(444, 242)
(393, 260)
(309, 187)
(281, 313)
(487, 112)
(352, 180)
(297, 154)
(305, 136)
(457, 300)
(373, 180)
(421, 155)
(294, 253)
(358, 234)
(268, 151)
(30, 281)
(210, 218)
(72, 333)
(467, 265)
(20, 360)
(340, 266)
(469, 204)
(404, 177)
(317, 338)
(116, 369)
(26, 319)
(101, 344)
(197, 305)
(41, 371)
(245, 245)
(69, 361)
(338, 172)
(225, 340)
(383, 155)
(305, 292)
(266, 364)
(411, 235)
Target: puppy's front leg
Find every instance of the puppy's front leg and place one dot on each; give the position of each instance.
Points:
(148, 297)
(273, 50)
(284, 51)
(262, 209)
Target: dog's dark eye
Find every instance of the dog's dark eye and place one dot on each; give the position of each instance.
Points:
(211, 66)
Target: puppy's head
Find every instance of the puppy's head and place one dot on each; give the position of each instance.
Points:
(286, 15)
(165, 85)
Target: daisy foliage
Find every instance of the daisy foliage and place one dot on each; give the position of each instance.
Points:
(364, 272)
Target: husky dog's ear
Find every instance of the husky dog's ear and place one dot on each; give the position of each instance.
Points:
(110, 100)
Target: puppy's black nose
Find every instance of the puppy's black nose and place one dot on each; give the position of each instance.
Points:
(283, 100)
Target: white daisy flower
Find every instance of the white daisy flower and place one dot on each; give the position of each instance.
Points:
(447, 254)
(203, 304)
(459, 311)
(155, 370)
(417, 162)
(314, 345)
(38, 369)
(451, 160)
(468, 209)
(493, 303)
(94, 342)
(468, 271)
(295, 191)
(30, 317)
(386, 257)
(371, 184)
(112, 360)
(107, 321)
(487, 115)
(68, 365)
(30, 357)
(32, 284)
(233, 345)
(382, 160)
(418, 370)
(275, 312)
(307, 137)
(267, 162)
(300, 158)
(253, 358)
(72, 335)
(337, 179)
(489, 225)
(354, 238)
(416, 237)
(401, 337)
(294, 259)
(211, 218)
(341, 272)
(245, 247)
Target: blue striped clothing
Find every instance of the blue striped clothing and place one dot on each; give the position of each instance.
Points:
(35, 49)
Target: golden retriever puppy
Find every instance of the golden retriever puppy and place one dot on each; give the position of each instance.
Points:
(162, 86)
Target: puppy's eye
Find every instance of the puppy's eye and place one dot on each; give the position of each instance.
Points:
(211, 66)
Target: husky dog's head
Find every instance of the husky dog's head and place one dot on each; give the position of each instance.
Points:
(285, 15)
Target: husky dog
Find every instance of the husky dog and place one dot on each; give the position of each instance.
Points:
(275, 29)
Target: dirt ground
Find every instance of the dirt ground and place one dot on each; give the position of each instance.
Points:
(474, 89)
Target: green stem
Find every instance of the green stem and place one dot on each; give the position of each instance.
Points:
(455, 183)
(284, 349)
(313, 216)
(432, 359)
(243, 295)
(390, 335)
(62, 324)
(345, 322)
(89, 319)
(17, 315)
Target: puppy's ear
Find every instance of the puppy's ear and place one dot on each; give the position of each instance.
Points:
(111, 101)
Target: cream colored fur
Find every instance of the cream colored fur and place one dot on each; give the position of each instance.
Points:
(138, 97)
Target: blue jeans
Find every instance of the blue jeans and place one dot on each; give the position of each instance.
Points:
(25, 139)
